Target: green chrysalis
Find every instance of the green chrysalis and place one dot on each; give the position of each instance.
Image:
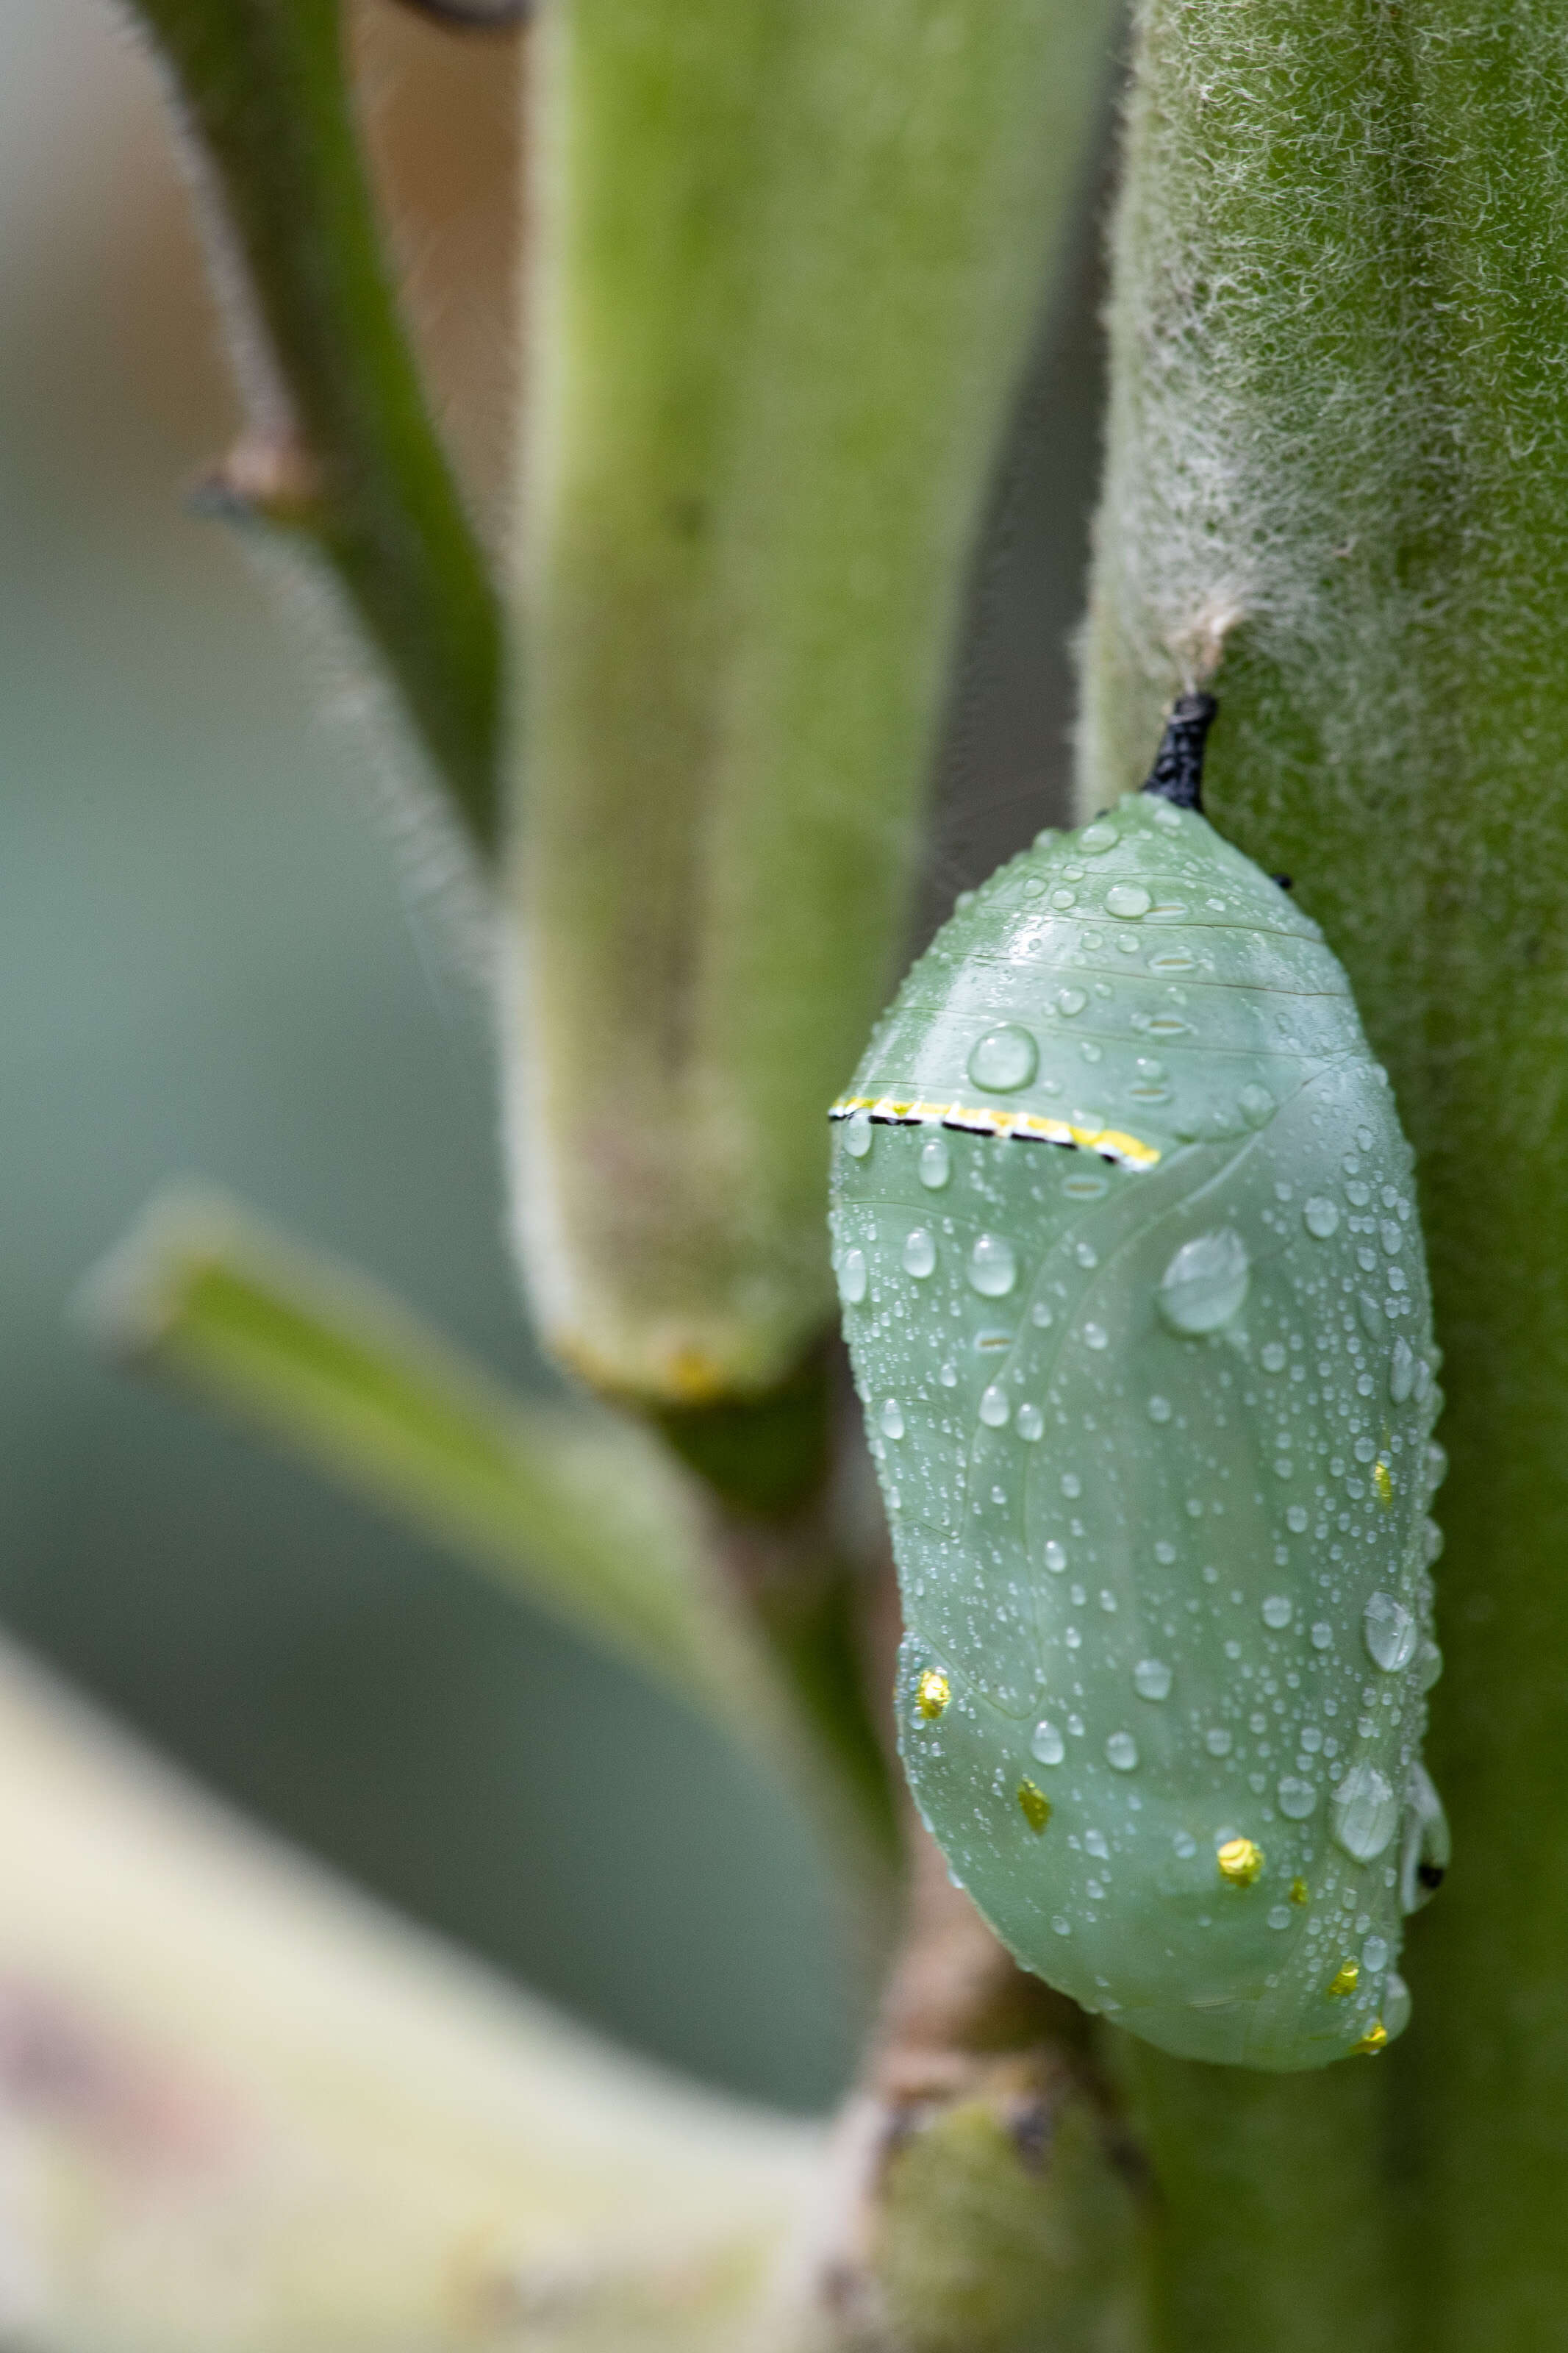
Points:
(1152, 1415)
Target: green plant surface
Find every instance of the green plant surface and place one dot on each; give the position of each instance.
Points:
(1338, 448)
(339, 450)
(991, 2246)
(786, 266)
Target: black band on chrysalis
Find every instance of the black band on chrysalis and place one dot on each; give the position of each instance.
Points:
(1177, 774)
(474, 15)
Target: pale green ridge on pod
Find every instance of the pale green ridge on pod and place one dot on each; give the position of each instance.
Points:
(1154, 1432)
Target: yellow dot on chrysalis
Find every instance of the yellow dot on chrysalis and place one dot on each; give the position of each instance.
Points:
(1035, 1806)
(932, 1693)
(1345, 1979)
(1300, 1892)
(1239, 1861)
(1373, 2041)
(1382, 1480)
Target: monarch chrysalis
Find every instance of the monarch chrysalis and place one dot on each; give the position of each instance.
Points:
(1152, 1415)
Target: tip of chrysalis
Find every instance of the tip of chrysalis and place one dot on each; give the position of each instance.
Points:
(1177, 774)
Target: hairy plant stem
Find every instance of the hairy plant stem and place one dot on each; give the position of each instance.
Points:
(786, 264)
(1339, 461)
(340, 451)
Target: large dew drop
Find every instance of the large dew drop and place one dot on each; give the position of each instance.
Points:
(1047, 1744)
(1205, 1282)
(1390, 1631)
(1005, 1059)
(935, 1163)
(919, 1252)
(1151, 1678)
(993, 1266)
(1365, 1813)
(852, 1278)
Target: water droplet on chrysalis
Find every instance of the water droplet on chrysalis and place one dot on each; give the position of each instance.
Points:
(1365, 1812)
(993, 1266)
(1389, 1631)
(1204, 1283)
(919, 1252)
(935, 1163)
(1004, 1059)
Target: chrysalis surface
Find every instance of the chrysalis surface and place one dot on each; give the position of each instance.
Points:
(1126, 1238)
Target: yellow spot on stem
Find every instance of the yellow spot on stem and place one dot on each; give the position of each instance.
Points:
(1300, 1892)
(694, 1378)
(934, 1693)
(1382, 1480)
(1035, 1806)
(1373, 2041)
(1344, 1980)
(1239, 1861)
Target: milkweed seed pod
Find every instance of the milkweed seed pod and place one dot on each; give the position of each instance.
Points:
(1152, 1412)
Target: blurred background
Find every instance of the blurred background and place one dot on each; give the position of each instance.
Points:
(220, 956)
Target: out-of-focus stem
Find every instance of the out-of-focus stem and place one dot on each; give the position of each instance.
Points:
(577, 1509)
(787, 263)
(340, 450)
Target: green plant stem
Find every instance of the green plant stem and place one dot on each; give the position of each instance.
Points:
(578, 1510)
(786, 264)
(339, 448)
(1339, 456)
(1259, 2230)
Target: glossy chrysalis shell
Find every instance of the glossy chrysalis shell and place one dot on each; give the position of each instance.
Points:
(1126, 1238)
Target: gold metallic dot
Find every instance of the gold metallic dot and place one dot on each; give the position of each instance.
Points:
(1382, 1480)
(1239, 1861)
(1373, 2041)
(933, 1694)
(1300, 1892)
(1035, 1806)
(1345, 1979)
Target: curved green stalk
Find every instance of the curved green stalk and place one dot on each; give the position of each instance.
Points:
(574, 1507)
(1339, 463)
(788, 261)
(339, 448)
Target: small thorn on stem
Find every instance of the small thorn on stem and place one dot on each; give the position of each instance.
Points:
(1177, 774)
